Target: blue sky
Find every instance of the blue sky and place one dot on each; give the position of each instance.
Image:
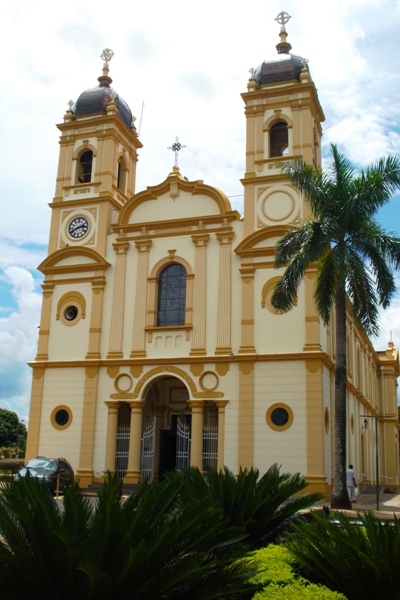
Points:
(187, 63)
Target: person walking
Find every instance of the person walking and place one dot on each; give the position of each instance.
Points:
(351, 483)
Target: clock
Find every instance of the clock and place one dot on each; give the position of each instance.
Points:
(78, 227)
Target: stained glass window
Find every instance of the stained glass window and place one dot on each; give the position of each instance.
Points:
(171, 296)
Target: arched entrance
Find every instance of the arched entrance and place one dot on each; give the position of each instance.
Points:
(163, 429)
(167, 401)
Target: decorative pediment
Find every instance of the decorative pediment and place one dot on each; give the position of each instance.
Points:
(73, 259)
(261, 242)
(173, 200)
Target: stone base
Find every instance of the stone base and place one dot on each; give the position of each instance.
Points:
(132, 476)
(84, 477)
(317, 483)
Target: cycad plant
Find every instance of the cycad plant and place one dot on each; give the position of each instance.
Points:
(355, 258)
(146, 547)
(263, 506)
(360, 560)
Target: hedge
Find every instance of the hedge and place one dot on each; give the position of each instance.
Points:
(277, 573)
(13, 452)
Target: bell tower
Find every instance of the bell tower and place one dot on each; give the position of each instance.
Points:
(97, 166)
(283, 122)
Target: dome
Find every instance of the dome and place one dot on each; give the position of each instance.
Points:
(279, 67)
(96, 100)
(282, 66)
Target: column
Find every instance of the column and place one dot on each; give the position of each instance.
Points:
(247, 321)
(85, 471)
(35, 413)
(312, 341)
(139, 321)
(315, 433)
(117, 315)
(246, 415)
(112, 425)
(160, 416)
(196, 450)
(199, 295)
(43, 344)
(261, 152)
(224, 293)
(133, 473)
(98, 284)
(221, 432)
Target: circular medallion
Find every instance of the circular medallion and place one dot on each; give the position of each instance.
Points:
(78, 227)
(278, 206)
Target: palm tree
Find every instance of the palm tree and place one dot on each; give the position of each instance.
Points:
(355, 257)
(147, 547)
(263, 506)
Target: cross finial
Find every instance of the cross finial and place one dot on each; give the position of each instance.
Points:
(176, 146)
(106, 55)
(282, 19)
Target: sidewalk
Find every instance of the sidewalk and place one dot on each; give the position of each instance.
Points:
(389, 505)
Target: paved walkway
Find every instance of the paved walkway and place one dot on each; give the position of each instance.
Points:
(389, 505)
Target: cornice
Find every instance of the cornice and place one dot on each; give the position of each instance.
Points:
(206, 359)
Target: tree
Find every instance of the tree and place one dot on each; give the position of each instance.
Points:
(146, 547)
(263, 506)
(12, 431)
(355, 257)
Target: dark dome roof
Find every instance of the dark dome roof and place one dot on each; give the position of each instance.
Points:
(279, 67)
(96, 100)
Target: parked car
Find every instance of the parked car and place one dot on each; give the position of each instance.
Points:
(47, 470)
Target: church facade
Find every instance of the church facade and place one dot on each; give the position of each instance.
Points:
(158, 345)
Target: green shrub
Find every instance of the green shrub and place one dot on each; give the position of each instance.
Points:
(277, 573)
(11, 465)
(263, 505)
(11, 452)
(359, 560)
(298, 591)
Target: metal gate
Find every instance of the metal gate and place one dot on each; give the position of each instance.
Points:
(122, 450)
(182, 444)
(210, 447)
(147, 454)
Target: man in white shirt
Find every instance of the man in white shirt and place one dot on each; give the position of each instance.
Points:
(351, 483)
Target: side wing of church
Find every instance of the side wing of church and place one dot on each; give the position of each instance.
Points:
(158, 346)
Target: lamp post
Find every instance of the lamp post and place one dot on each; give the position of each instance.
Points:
(376, 417)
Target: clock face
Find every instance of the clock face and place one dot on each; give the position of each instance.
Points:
(78, 227)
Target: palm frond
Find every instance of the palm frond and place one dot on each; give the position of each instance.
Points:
(325, 289)
(342, 172)
(360, 561)
(262, 505)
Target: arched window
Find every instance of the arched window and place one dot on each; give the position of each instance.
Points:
(171, 295)
(85, 167)
(121, 175)
(278, 139)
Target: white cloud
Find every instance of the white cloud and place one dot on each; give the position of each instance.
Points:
(18, 340)
(188, 63)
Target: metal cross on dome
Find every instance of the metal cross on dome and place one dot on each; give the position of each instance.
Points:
(106, 56)
(175, 148)
(282, 19)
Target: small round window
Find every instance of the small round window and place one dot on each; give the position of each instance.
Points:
(71, 308)
(61, 417)
(70, 313)
(279, 416)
